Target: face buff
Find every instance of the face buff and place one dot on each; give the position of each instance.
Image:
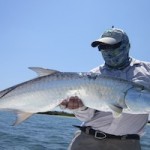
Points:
(117, 58)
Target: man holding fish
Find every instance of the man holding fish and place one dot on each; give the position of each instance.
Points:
(100, 129)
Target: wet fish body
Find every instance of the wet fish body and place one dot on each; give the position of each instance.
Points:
(47, 91)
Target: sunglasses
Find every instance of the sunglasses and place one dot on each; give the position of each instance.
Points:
(103, 46)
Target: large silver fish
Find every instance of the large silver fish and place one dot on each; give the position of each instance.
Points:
(99, 92)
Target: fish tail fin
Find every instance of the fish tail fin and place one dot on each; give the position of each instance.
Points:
(5, 92)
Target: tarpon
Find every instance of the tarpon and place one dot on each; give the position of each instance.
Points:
(96, 91)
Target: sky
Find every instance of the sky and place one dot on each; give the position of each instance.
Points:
(57, 34)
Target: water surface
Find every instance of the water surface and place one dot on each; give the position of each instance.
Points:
(43, 132)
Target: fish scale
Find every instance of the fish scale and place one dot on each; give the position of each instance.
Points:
(96, 91)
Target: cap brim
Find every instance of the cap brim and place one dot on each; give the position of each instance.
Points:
(105, 41)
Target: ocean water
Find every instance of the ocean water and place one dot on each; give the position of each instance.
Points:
(43, 132)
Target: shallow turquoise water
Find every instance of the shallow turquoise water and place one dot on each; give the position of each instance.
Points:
(43, 132)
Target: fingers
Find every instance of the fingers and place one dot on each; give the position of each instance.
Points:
(73, 102)
(64, 104)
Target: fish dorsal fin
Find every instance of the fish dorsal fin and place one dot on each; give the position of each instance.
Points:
(43, 72)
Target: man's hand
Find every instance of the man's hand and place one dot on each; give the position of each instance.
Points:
(72, 103)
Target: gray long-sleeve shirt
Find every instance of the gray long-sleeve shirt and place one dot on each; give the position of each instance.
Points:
(137, 71)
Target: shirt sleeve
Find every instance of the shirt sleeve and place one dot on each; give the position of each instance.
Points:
(147, 66)
(84, 114)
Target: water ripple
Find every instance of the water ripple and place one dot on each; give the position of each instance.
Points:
(43, 132)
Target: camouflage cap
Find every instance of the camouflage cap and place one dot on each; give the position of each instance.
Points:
(111, 37)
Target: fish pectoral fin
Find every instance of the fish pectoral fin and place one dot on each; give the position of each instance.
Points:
(116, 110)
(43, 72)
(22, 116)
